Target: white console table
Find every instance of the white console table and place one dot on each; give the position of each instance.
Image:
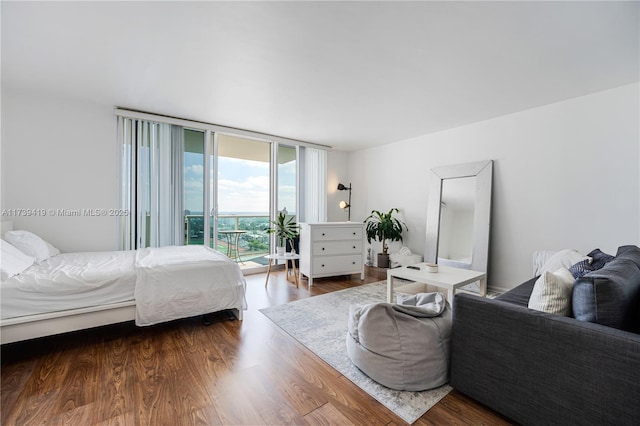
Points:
(331, 248)
(447, 278)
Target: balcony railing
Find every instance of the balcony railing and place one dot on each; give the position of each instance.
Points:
(252, 244)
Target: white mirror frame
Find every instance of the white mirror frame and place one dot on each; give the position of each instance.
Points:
(483, 171)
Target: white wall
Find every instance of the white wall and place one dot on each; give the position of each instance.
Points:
(566, 175)
(60, 154)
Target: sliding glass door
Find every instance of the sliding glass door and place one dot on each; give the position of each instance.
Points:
(243, 199)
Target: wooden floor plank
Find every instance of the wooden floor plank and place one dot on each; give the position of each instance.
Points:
(153, 401)
(326, 415)
(13, 382)
(231, 372)
(79, 385)
(117, 392)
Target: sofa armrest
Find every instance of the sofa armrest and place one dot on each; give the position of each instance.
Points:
(539, 368)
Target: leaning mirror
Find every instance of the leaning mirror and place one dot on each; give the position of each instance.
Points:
(459, 216)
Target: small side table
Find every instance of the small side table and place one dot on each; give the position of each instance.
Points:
(286, 257)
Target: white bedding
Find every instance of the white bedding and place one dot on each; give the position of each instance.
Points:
(166, 283)
(69, 281)
(184, 281)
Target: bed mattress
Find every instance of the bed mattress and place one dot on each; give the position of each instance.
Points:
(70, 281)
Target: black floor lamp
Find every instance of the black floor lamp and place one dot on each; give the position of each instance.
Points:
(343, 204)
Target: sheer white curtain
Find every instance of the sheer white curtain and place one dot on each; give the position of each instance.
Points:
(315, 185)
(152, 183)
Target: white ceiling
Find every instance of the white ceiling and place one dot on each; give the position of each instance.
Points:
(345, 74)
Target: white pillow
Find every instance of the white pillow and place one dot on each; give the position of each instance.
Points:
(12, 260)
(552, 292)
(31, 245)
(563, 259)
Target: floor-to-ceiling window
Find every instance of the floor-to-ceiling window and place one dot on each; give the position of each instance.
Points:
(188, 184)
(193, 187)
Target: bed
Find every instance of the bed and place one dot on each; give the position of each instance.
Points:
(74, 291)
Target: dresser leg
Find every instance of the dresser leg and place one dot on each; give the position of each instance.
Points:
(310, 281)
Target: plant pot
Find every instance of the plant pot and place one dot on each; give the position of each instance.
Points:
(280, 251)
(383, 260)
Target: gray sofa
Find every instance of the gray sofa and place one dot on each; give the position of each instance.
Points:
(545, 369)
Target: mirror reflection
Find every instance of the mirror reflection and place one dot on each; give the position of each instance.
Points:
(455, 245)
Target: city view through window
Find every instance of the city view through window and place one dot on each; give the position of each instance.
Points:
(243, 191)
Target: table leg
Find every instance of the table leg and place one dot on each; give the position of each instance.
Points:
(237, 251)
(228, 237)
(295, 273)
(450, 293)
(268, 272)
(389, 289)
(483, 287)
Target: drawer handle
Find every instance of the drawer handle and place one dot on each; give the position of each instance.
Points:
(354, 233)
(323, 265)
(354, 263)
(323, 234)
(354, 246)
(322, 248)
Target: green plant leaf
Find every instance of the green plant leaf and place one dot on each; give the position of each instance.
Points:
(384, 227)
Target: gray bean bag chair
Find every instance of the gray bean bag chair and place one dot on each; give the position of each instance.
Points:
(402, 346)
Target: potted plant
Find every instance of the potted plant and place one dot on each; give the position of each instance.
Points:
(285, 229)
(382, 227)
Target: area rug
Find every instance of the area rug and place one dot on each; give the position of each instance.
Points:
(320, 324)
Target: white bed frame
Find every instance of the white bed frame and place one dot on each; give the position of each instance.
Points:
(40, 325)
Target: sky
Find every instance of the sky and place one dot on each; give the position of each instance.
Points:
(243, 185)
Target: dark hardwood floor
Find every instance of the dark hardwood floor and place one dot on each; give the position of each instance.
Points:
(182, 373)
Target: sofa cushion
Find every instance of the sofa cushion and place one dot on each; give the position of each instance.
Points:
(563, 259)
(629, 252)
(552, 292)
(609, 296)
(599, 259)
(519, 295)
(580, 269)
(596, 260)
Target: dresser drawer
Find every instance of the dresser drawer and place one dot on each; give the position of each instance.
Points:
(337, 264)
(337, 233)
(322, 248)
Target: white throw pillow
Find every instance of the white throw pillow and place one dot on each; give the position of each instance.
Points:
(31, 245)
(563, 259)
(552, 292)
(12, 260)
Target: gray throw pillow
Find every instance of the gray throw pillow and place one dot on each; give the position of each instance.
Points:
(598, 261)
(609, 296)
(629, 252)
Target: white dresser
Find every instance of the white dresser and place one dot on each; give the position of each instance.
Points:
(331, 248)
